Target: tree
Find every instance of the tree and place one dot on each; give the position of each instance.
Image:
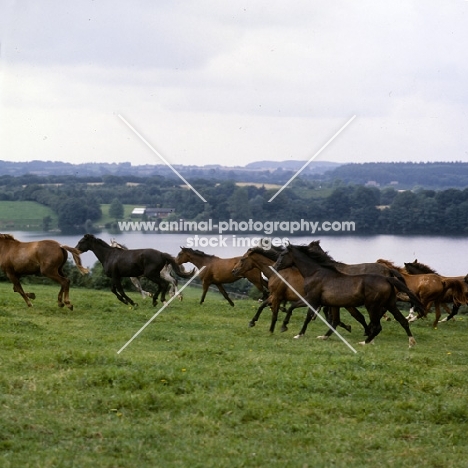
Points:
(116, 209)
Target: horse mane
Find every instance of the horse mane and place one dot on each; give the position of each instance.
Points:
(268, 253)
(97, 240)
(421, 267)
(197, 252)
(8, 237)
(319, 256)
(391, 265)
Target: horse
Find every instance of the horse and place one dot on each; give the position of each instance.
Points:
(324, 284)
(263, 259)
(44, 257)
(416, 267)
(218, 271)
(167, 273)
(373, 268)
(121, 263)
(430, 288)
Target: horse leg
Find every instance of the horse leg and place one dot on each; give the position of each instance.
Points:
(225, 294)
(117, 289)
(374, 324)
(310, 315)
(206, 285)
(275, 305)
(437, 313)
(360, 318)
(294, 305)
(19, 289)
(455, 309)
(400, 318)
(332, 314)
(254, 319)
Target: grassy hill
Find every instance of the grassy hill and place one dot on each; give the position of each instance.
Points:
(24, 215)
(199, 388)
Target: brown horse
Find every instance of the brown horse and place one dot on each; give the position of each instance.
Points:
(414, 268)
(218, 271)
(44, 257)
(372, 268)
(324, 284)
(430, 288)
(280, 292)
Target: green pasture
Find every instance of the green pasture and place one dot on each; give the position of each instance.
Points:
(198, 388)
(24, 215)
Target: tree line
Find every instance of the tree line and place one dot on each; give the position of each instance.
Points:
(77, 203)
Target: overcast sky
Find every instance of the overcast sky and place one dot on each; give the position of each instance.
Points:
(229, 82)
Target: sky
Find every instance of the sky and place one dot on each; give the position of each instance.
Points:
(215, 82)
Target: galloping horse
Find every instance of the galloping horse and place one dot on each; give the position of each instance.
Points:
(430, 288)
(324, 284)
(45, 257)
(120, 263)
(167, 273)
(262, 259)
(414, 268)
(218, 271)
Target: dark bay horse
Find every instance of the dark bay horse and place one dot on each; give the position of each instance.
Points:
(167, 273)
(324, 284)
(280, 292)
(44, 257)
(121, 263)
(218, 271)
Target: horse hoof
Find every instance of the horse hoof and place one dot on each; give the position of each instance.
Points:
(412, 342)
(322, 337)
(251, 324)
(298, 336)
(60, 304)
(283, 329)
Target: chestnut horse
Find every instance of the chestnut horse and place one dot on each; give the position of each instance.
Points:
(44, 257)
(324, 285)
(123, 263)
(218, 271)
(430, 288)
(415, 268)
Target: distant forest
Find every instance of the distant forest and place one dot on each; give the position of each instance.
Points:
(374, 209)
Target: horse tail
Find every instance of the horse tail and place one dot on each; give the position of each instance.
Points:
(401, 286)
(179, 271)
(397, 274)
(76, 257)
(458, 290)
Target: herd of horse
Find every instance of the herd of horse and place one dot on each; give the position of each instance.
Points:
(298, 275)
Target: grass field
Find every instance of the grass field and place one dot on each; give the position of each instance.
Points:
(198, 388)
(24, 215)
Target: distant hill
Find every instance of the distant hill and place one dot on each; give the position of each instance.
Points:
(315, 167)
(437, 175)
(404, 175)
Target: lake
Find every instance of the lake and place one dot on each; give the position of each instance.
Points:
(447, 255)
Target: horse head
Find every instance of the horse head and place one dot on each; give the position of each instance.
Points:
(285, 259)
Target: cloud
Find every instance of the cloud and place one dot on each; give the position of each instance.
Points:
(232, 83)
